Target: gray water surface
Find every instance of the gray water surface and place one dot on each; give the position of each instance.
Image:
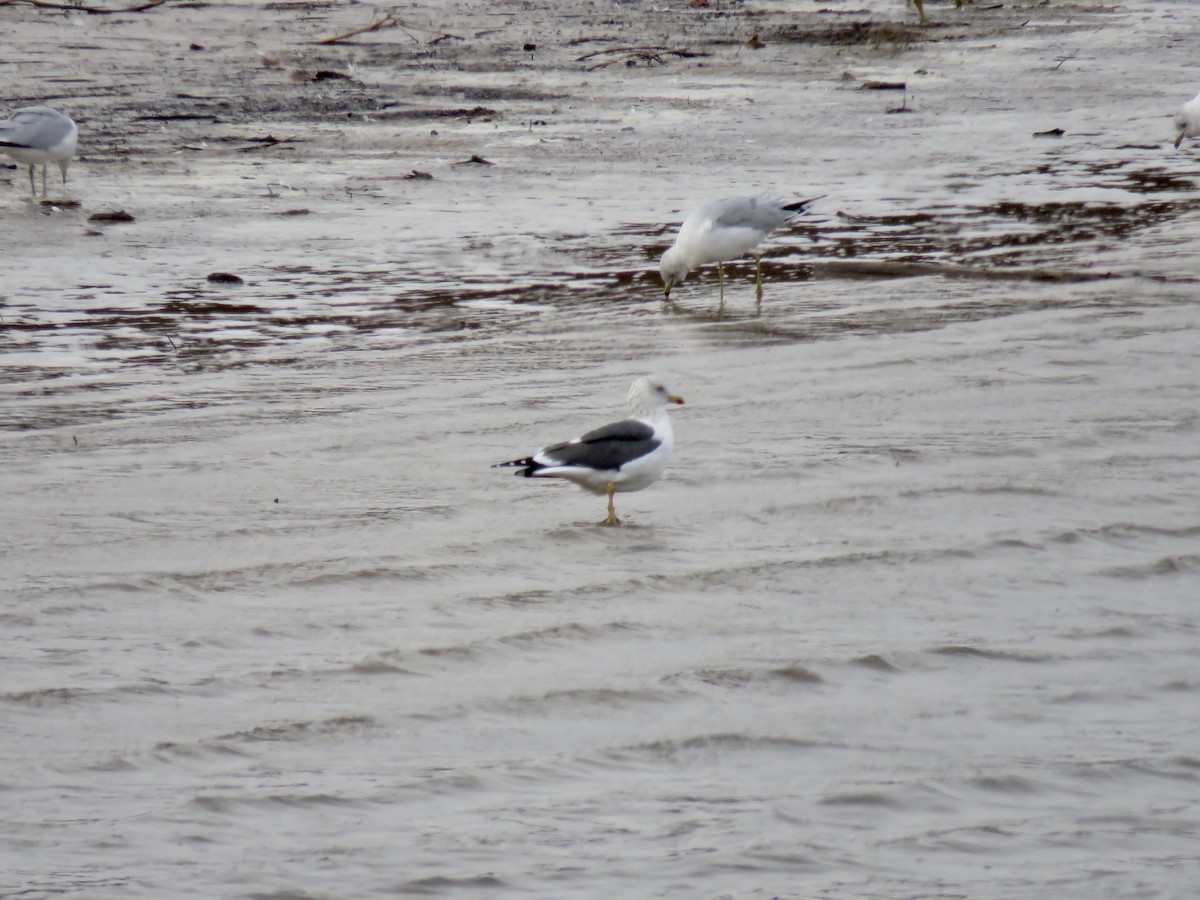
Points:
(913, 612)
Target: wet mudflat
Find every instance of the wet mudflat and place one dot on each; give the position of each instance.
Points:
(913, 612)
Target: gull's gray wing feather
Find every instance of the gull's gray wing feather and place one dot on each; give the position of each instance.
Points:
(35, 128)
(757, 213)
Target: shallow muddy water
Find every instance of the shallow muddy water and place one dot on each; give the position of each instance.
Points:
(913, 612)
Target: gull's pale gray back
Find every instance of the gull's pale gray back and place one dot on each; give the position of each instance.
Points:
(38, 128)
(758, 213)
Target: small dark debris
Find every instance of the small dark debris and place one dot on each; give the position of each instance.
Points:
(1053, 132)
(461, 112)
(63, 204)
(475, 160)
(176, 117)
(196, 47)
(294, 212)
(118, 216)
(755, 42)
(224, 278)
(263, 143)
(529, 48)
(330, 75)
(883, 86)
(416, 175)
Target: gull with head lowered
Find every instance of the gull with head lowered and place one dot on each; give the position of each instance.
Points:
(39, 135)
(1187, 120)
(725, 229)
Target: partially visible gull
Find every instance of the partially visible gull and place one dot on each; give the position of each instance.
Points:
(1187, 120)
(625, 456)
(39, 135)
(725, 229)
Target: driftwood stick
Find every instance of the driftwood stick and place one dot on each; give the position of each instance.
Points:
(388, 21)
(650, 54)
(625, 50)
(90, 10)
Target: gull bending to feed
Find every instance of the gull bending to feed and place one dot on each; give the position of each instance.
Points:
(725, 229)
(625, 456)
(39, 135)
(1187, 120)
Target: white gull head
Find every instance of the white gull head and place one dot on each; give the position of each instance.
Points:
(673, 268)
(648, 398)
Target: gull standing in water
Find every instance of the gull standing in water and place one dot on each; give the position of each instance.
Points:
(39, 134)
(625, 456)
(1187, 120)
(725, 229)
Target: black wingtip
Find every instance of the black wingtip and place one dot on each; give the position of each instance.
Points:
(511, 463)
(524, 467)
(801, 205)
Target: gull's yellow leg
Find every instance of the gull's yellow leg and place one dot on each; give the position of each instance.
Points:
(758, 283)
(612, 512)
(721, 302)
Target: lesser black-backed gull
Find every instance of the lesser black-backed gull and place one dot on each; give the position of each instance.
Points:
(624, 456)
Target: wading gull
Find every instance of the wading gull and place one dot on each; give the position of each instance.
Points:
(1187, 120)
(39, 135)
(625, 456)
(725, 229)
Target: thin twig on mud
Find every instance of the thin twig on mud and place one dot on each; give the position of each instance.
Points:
(630, 54)
(388, 21)
(90, 10)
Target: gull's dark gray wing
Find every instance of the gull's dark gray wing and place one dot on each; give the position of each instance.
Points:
(609, 447)
(626, 430)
